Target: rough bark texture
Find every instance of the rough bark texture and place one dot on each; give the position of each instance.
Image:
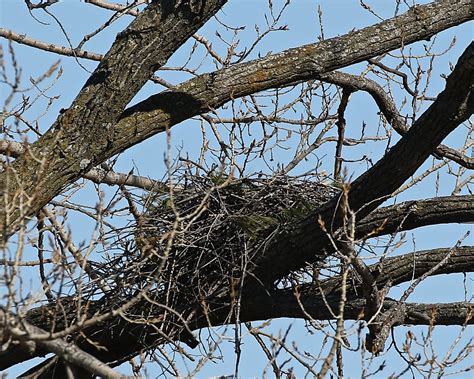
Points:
(415, 214)
(453, 106)
(439, 314)
(85, 132)
(96, 127)
(124, 340)
(304, 63)
(69, 153)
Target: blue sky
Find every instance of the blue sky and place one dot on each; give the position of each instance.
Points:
(148, 158)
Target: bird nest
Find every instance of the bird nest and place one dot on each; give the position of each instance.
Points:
(212, 229)
(207, 234)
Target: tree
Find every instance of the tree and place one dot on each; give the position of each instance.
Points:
(217, 242)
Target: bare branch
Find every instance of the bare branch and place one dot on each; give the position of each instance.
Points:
(97, 174)
(81, 134)
(453, 106)
(211, 91)
(285, 304)
(415, 214)
(24, 331)
(117, 7)
(389, 110)
(62, 50)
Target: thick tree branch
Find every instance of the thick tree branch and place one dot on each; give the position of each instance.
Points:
(195, 96)
(403, 268)
(415, 214)
(121, 338)
(74, 154)
(84, 133)
(210, 91)
(286, 304)
(454, 105)
(308, 302)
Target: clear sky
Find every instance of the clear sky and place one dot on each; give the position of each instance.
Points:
(339, 17)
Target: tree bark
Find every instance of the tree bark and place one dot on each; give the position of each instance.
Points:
(122, 339)
(291, 250)
(415, 214)
(85, 132)
(96, 128)
(69, 154)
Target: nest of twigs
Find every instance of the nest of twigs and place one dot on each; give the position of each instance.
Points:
(210, 230)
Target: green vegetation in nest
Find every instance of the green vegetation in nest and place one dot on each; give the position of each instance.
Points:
(253, 225)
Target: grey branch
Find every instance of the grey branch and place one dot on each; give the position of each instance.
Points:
(389, 110)
(452, 107)
(62, 50)
(97, 174)
(24, 332)
(205, 92)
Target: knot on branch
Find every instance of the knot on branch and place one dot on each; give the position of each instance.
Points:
(380, 327)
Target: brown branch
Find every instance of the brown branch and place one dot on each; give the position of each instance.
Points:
(100, 175)
(209, 91)
(403, 268)
(335, 53)
(78, 53)
(400, 74)
(117, 7)
(410, 266)
(196, 96)
(42, 4)
(341, 126)
(381, 322)
(308, 302)
(285, 304)
(22, 331)
(390, 112)
(119, 340)
(7, 262)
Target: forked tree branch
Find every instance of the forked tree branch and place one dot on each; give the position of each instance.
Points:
(282, 303)
(400, 269)
(83, 133)
(290, 250)
(389, 110)
(69, 150)
(205, 92)
(32, 336)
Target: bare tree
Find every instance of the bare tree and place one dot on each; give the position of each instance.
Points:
(228, 234)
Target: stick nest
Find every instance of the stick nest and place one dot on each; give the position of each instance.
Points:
(211, 230)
